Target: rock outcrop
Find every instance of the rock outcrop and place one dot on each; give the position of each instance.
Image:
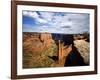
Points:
(36, 49)
(83, 48)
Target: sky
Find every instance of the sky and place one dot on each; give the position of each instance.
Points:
(55, 22)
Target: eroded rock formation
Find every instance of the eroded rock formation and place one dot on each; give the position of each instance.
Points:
(47, 50)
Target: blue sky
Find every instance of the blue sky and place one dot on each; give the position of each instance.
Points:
(55, 22)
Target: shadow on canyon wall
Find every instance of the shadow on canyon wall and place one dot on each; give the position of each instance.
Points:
(74, 58)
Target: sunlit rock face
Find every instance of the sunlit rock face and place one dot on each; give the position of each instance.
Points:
(36, 49)
(84, 49)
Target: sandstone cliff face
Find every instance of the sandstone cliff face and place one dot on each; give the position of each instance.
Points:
(36, 49)
(83, 48)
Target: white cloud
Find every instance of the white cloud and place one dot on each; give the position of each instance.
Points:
(41, 20)
(47, 15)
(35, 16)
(30, 14)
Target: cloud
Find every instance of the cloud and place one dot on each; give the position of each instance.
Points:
(46, 15)
(59, 22)
(34, 15)
(30, 14)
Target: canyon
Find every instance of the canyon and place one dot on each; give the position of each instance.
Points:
(54, 50)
